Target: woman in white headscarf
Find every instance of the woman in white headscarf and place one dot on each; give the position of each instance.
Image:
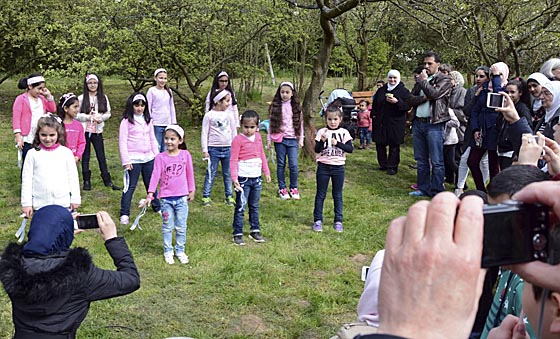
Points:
(535, 82)
(550, 98)
(388, 115)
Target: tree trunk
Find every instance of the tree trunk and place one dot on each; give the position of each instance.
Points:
(320, 70)
(363, 64)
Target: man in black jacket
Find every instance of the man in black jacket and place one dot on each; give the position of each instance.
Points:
(51, 286)
(430, 99)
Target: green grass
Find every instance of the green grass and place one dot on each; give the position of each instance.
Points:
(299, 284)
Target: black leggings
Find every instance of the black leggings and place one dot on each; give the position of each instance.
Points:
(97, 140)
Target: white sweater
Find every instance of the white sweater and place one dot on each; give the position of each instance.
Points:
(50, 178)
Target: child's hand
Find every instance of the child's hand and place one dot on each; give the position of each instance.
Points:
(46, 92)
(149, 198)
(301, 144)
(205, 155)
(190, 196)
(267, 177)
(237, 186)
(268, 144)
(127, 167)
(334, 141)
(28, 211)
(324, 136)
(76, 159)
(74, 206)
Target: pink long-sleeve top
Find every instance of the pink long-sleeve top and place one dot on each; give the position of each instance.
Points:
(75, 138)
(288, 129)
(218, 129)
(247, 157)
(161, 106)
(175, 175)
(21, 112)
(137, 142)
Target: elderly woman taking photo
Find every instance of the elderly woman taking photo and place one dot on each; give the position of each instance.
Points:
(388, 115)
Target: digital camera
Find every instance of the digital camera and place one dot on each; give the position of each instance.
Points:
(514, 233)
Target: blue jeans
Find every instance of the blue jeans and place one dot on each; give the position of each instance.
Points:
(145, 169)
(159, 131)
(252, 195)
(218, 154)
(324, 174)
(428, 140)
(287, 147)
(365, 135)
(174, 215)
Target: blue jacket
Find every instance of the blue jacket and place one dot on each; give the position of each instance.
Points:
(483, 119)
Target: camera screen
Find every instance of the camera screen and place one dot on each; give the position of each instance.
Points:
(87, 221)
(495, 100)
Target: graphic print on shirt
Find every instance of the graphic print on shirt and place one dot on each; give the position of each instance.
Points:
(221, 123)
(333, 151)
(173, 170)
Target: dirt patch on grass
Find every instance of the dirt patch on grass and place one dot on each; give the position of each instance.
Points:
(360, 258)
(251, 324)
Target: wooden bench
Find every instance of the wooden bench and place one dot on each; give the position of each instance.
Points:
(359, 96)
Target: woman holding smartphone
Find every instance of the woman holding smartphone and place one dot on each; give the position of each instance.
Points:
(483, 126)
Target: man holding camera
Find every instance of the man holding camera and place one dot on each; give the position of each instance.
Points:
(432, 280)
(430, 99)
(51, 286)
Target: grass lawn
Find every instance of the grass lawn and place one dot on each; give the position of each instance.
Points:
(299, 284)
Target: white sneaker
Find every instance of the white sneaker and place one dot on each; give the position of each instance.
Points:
(458, 192)
(183, 258)
(294, 193)
(124, 220)
(169, 258)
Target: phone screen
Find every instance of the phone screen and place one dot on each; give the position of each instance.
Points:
(495, 100)
(87, 221)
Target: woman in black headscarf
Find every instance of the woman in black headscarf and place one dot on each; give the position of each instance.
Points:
(51, 285)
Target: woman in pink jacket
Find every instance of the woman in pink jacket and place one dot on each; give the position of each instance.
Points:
(138, 147)
(28, 108)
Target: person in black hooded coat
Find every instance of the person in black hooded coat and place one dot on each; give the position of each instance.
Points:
(51, 286)
(388, 116)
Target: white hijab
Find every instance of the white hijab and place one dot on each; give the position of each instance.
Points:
(393, 73)
(541, 79)
(554, 88)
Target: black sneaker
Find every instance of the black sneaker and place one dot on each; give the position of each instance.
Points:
(256, 236)
(238, 240)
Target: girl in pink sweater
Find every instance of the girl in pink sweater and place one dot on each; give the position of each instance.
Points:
(68, 108)
(28, 108)
(161, 105)
(247, 162)
(138, 147)
(173, 171)
(286, 131)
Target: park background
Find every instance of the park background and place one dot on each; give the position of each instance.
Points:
(299, 284)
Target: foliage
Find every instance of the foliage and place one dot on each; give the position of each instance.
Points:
(299, 284)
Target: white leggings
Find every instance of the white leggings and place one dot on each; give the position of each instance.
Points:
(464, 169)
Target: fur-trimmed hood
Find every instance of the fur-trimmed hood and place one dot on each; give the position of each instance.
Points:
(42, 284)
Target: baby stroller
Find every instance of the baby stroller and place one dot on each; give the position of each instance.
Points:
(348, 107)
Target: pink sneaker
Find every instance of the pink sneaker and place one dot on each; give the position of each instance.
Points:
(414, 186)
(294, 193)
(284, 194)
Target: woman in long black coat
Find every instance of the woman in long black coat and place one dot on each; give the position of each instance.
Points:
(388, 115)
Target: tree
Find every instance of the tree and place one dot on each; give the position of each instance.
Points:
(521, 33)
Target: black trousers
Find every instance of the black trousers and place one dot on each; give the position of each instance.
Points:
(451, 166)
(390, 161)
(97, 140)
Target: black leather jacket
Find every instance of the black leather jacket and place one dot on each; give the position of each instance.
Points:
(437, 91)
